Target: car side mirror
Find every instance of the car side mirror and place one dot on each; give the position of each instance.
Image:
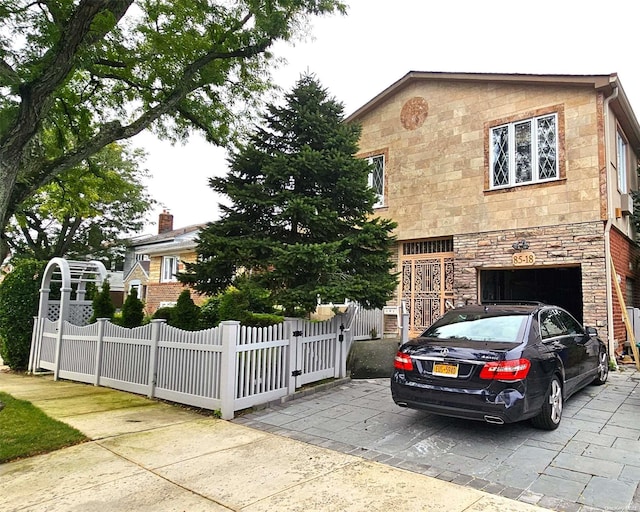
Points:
(591, 331)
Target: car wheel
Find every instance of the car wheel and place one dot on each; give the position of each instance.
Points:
(603, 369)
(551, 412)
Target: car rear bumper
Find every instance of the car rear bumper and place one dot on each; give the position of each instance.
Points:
(497, 403)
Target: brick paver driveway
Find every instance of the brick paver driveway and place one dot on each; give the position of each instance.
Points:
(590, 463)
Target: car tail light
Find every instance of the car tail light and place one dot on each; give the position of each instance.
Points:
(506, 370)
(403, 362)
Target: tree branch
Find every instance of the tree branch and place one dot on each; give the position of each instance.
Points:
(8, 75)
(37, 95)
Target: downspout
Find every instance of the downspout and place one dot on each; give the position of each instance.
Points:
(607, 229)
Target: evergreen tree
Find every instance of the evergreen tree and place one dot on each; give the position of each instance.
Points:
(300, 220)
(186, 315)
(132, 310)
(102, 304)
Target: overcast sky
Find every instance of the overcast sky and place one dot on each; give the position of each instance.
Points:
(358, 55)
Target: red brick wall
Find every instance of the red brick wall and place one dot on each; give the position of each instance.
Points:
(625, 257)
(166, 292)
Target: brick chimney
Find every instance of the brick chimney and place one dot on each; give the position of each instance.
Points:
(165, 222)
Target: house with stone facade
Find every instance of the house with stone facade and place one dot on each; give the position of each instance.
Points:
(508, 187)
(152, 262)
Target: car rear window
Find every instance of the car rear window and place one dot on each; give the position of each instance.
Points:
(478, 327)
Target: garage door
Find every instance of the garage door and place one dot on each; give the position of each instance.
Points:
(561, 286)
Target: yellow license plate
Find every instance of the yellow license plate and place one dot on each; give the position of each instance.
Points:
(445, 370)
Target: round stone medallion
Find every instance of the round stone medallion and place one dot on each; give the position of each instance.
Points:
(414, 112)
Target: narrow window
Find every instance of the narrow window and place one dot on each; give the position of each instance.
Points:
(547, 148)
(376, 177)
(169, 269)
(622, 163)
(500, 142)
(523, 152)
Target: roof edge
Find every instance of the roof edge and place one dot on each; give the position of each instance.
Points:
(595, 81)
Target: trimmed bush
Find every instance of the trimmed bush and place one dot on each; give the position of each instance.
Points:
(186, 315)
(164, 313)
(102, 304)
(132, 310)
(19, 294)
(261, 319)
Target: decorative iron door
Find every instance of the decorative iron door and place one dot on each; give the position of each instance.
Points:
(427, 284)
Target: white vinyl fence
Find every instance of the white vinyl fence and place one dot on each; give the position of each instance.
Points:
(226, 368)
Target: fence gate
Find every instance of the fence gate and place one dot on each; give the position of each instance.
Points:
(427, 280)
(316, 355)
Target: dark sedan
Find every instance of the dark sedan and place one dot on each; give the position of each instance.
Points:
(500, 364)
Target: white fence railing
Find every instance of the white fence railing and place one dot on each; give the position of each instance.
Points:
(226, 368)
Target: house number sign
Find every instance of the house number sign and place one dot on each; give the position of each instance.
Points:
(523, 258)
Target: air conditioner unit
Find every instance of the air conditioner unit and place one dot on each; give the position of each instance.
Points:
(626, 204)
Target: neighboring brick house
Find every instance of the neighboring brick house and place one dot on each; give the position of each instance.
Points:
(152, 263)
(507, 187)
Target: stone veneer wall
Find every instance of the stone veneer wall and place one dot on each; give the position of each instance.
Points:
(565, 245)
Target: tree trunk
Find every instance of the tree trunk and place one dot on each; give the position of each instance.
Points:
(8, 173)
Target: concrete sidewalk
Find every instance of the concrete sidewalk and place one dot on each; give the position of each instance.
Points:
(148, 455)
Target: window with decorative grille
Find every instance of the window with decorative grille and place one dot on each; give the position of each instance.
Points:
(376, 177)
(428, 246)
(524, 152)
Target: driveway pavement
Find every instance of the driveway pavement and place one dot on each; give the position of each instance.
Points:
(590, 463)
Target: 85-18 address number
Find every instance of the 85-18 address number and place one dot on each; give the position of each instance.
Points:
(524, 258)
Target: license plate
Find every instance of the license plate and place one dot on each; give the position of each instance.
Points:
(445, 370)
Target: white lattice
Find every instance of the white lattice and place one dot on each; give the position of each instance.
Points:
(80, 313)
(53, 310)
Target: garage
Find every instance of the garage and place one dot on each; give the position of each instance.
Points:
(559, 285)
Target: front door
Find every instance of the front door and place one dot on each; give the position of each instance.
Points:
(427, 282)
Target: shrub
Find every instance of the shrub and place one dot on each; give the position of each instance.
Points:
(186, 314)
(261, 319)
(102, 304)
(132, 310)
(233, 305)
(163, 313)
(257, 297)
(209, 316)
(19, 294)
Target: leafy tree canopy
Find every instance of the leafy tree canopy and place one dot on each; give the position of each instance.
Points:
(300, 221)
(84, 212)
(76, 76)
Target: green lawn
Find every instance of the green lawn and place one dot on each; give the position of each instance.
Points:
(25, 430)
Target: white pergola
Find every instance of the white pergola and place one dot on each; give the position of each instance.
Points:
(72, 276)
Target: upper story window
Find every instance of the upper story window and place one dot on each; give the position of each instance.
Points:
(524, 152)
(621, 158)
(169, 269)
(376, 177)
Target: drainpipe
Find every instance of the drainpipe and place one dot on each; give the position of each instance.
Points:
(607, 229)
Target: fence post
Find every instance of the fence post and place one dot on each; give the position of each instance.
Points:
(65, 297)
(230, 334)
(98, 361)
(156, 327)
(404, 333)
(293, 326)
(36, 337)
(340, 364)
